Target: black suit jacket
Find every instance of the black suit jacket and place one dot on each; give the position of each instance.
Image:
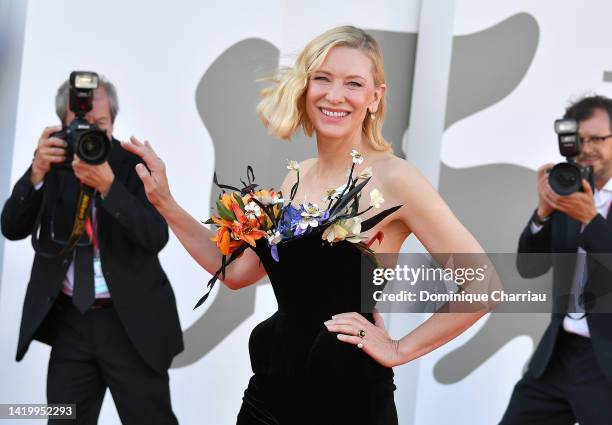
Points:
(560, 237)
(131, 233)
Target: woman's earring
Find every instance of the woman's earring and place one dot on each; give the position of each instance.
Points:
(372, 116)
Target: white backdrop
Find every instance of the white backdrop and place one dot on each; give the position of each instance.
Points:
(570, 61)
(156, 53)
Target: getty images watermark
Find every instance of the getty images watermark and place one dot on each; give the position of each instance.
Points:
(460, 276)
(504, 283)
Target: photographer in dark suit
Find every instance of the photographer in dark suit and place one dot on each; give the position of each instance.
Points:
(106, 308)
(569, 378)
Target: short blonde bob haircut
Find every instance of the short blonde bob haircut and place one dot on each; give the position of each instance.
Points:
(282, 108)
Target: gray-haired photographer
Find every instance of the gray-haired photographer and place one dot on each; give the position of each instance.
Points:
(569, 378)
(97, 292)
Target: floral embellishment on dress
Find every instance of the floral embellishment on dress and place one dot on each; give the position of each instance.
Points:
(293, 165)
(244, 216)
(238, 223)
(274, 237)
(348, 229)
(366, 173)
(376, 198)
(252, 210)
(269, 197)
(310, 213)
(357, 157)
(333, 194)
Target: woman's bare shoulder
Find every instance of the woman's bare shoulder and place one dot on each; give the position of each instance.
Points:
(401, 183)
(392, 170)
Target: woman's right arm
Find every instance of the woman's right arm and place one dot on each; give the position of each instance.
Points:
(194, 236)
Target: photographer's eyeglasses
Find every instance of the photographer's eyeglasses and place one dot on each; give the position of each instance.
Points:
(595, 140)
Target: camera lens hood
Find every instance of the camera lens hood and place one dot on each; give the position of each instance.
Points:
(93, 146)
(565, 178)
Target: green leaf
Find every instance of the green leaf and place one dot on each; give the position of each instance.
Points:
(224, 213)
(238, 199)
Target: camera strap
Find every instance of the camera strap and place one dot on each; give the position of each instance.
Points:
(80, 218)
(78, 227)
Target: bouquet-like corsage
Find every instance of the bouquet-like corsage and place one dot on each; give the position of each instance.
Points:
(246, 215)
(242, 219)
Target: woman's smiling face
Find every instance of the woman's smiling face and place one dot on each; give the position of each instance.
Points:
(341, 93)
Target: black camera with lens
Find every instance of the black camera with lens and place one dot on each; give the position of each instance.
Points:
(87, 141)
(565, 178)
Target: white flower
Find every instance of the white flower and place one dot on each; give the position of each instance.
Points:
(309, 215)
(274, 237)
(310, 210)
(332, 194)
(266, 199)
(353, 225)
(252, 210)
(365, 173)
(357, 157)
(334, 233)
(308, 221)
(293, 165)
(347, 229)
(376, 198)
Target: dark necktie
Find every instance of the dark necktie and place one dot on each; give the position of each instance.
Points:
(83, 294)
(576, 304)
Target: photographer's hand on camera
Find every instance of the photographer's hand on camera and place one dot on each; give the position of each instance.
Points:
(579, 205)
(545, 209)
(99, 177)
(49, 150)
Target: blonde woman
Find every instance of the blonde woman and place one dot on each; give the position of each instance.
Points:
(317, 360)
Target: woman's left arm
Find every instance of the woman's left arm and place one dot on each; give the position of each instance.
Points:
(433, 223)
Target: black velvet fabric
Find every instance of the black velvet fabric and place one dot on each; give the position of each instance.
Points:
(276, 401)
(303, 373)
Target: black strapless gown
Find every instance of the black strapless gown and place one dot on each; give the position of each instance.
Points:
(302, 373)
